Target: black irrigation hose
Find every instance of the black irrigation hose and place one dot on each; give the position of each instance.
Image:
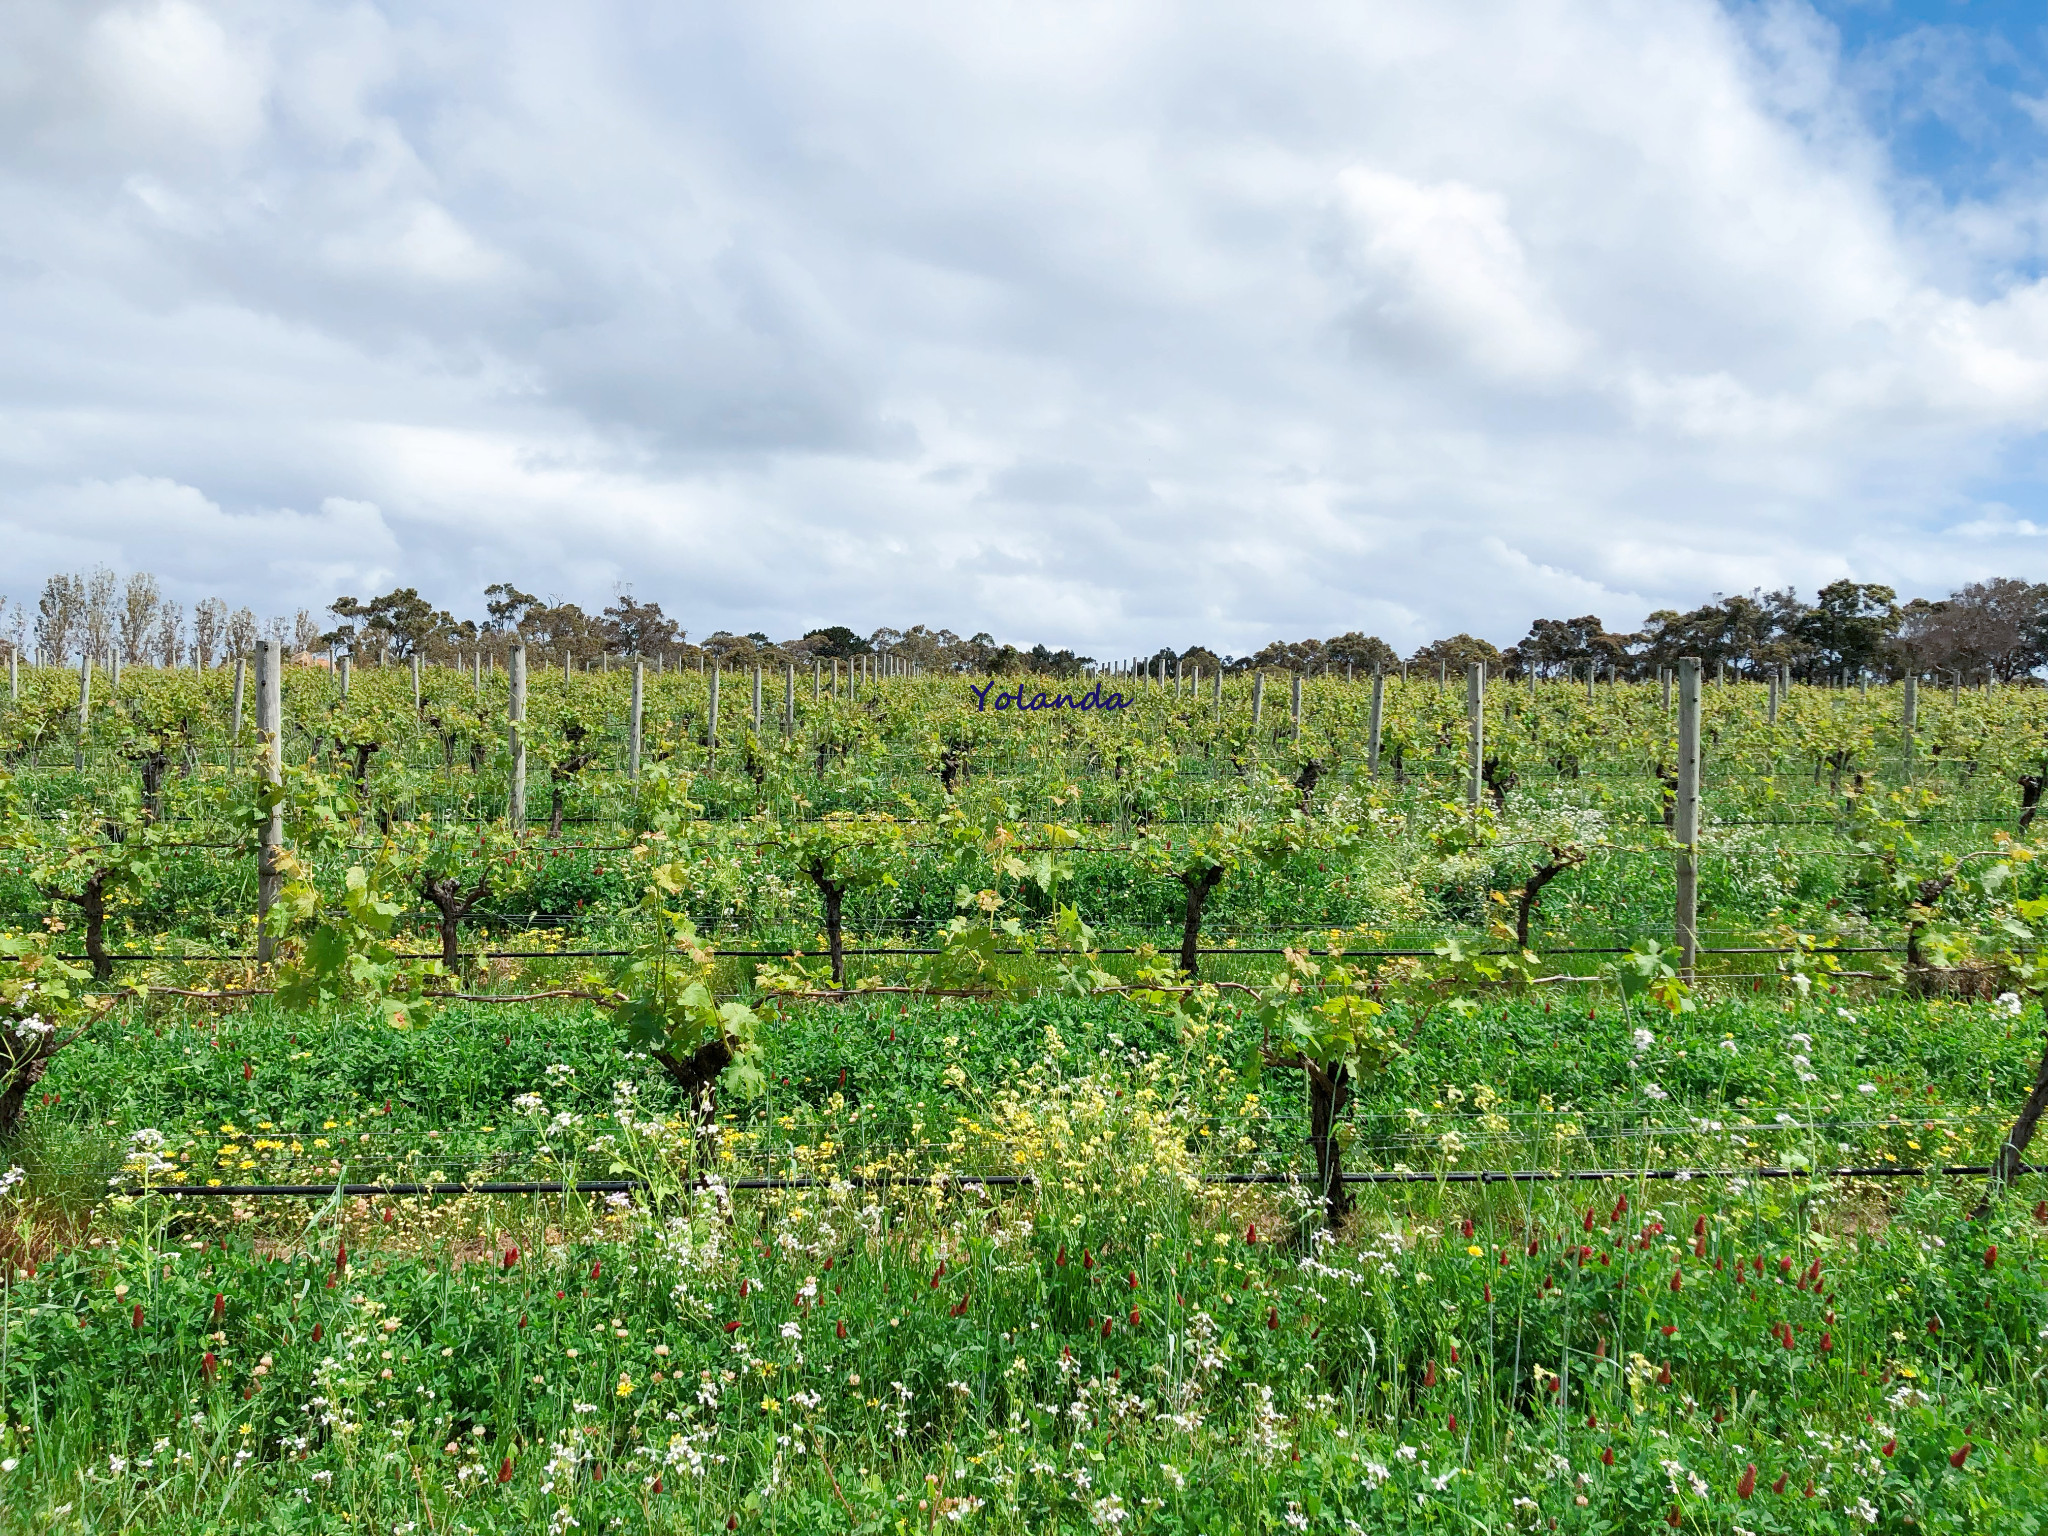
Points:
(818, 954)
(1012, 1180)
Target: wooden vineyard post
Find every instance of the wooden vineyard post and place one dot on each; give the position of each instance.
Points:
(1258, 696)
(84, 711)
(1216, 694)
(1532, 685)
(757, 700)
(515, 736)
(1771, 703)
(817, 681)
(1664, 678)
(13, 675)
(1910, 720)
(477, 661)
(1592, 676)
(711, 720)
(1475, 713)
(633, 721)
(415, 680)
(1179, 667)
(114, 676)
(347, 657)
(1294, 709)
(789, 698)
(1685, 828)
(269, 742)
(1372, 738)
(1443, 675)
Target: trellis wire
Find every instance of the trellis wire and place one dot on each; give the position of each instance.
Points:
(965, 1181)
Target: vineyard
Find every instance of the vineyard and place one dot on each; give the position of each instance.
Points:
(459, 1099)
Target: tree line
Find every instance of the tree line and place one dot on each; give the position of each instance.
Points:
(1995, 629)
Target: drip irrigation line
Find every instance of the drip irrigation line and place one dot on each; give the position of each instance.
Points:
(913, 953)
(963, 1181)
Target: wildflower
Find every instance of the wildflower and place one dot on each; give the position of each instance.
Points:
(1779, 1485)
(733, 1326)
(842, 1328)
(1677, 1281)
(505, 1470)
(1745, 1485)
(220, 1307)
(1105, 1327)
(209, 1365)
(625, 1386)
(1272, 1317)
(1960, 1454)
(1889, 1446)
(596, 1270)
(136, 1322)
(1251, 1232)
(511, 1257)
(1991, 1256)
(1607, 1456)
(1664, 1376)
(1134, 1317)
(2009, 1001)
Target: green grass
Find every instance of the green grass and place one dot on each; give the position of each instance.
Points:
(1277, 1377)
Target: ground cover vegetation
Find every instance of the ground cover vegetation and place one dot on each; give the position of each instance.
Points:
(984, 1112)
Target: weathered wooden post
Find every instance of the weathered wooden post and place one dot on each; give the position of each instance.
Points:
(1258, 696)
(1910, 720)
(757, 698)
(1475, 712)
(347, 659)
(1372, 738)
(1685, 830)
(633, 720)
(84, 711)
(415, 679)
(711, 720)
(1664, 681)
(269, 742)
(1294, 709)
(1771, 704)
(515, 734)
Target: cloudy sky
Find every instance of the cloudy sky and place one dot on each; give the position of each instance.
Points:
(1113, 324)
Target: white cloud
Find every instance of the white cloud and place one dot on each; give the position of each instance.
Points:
(1112, 326)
